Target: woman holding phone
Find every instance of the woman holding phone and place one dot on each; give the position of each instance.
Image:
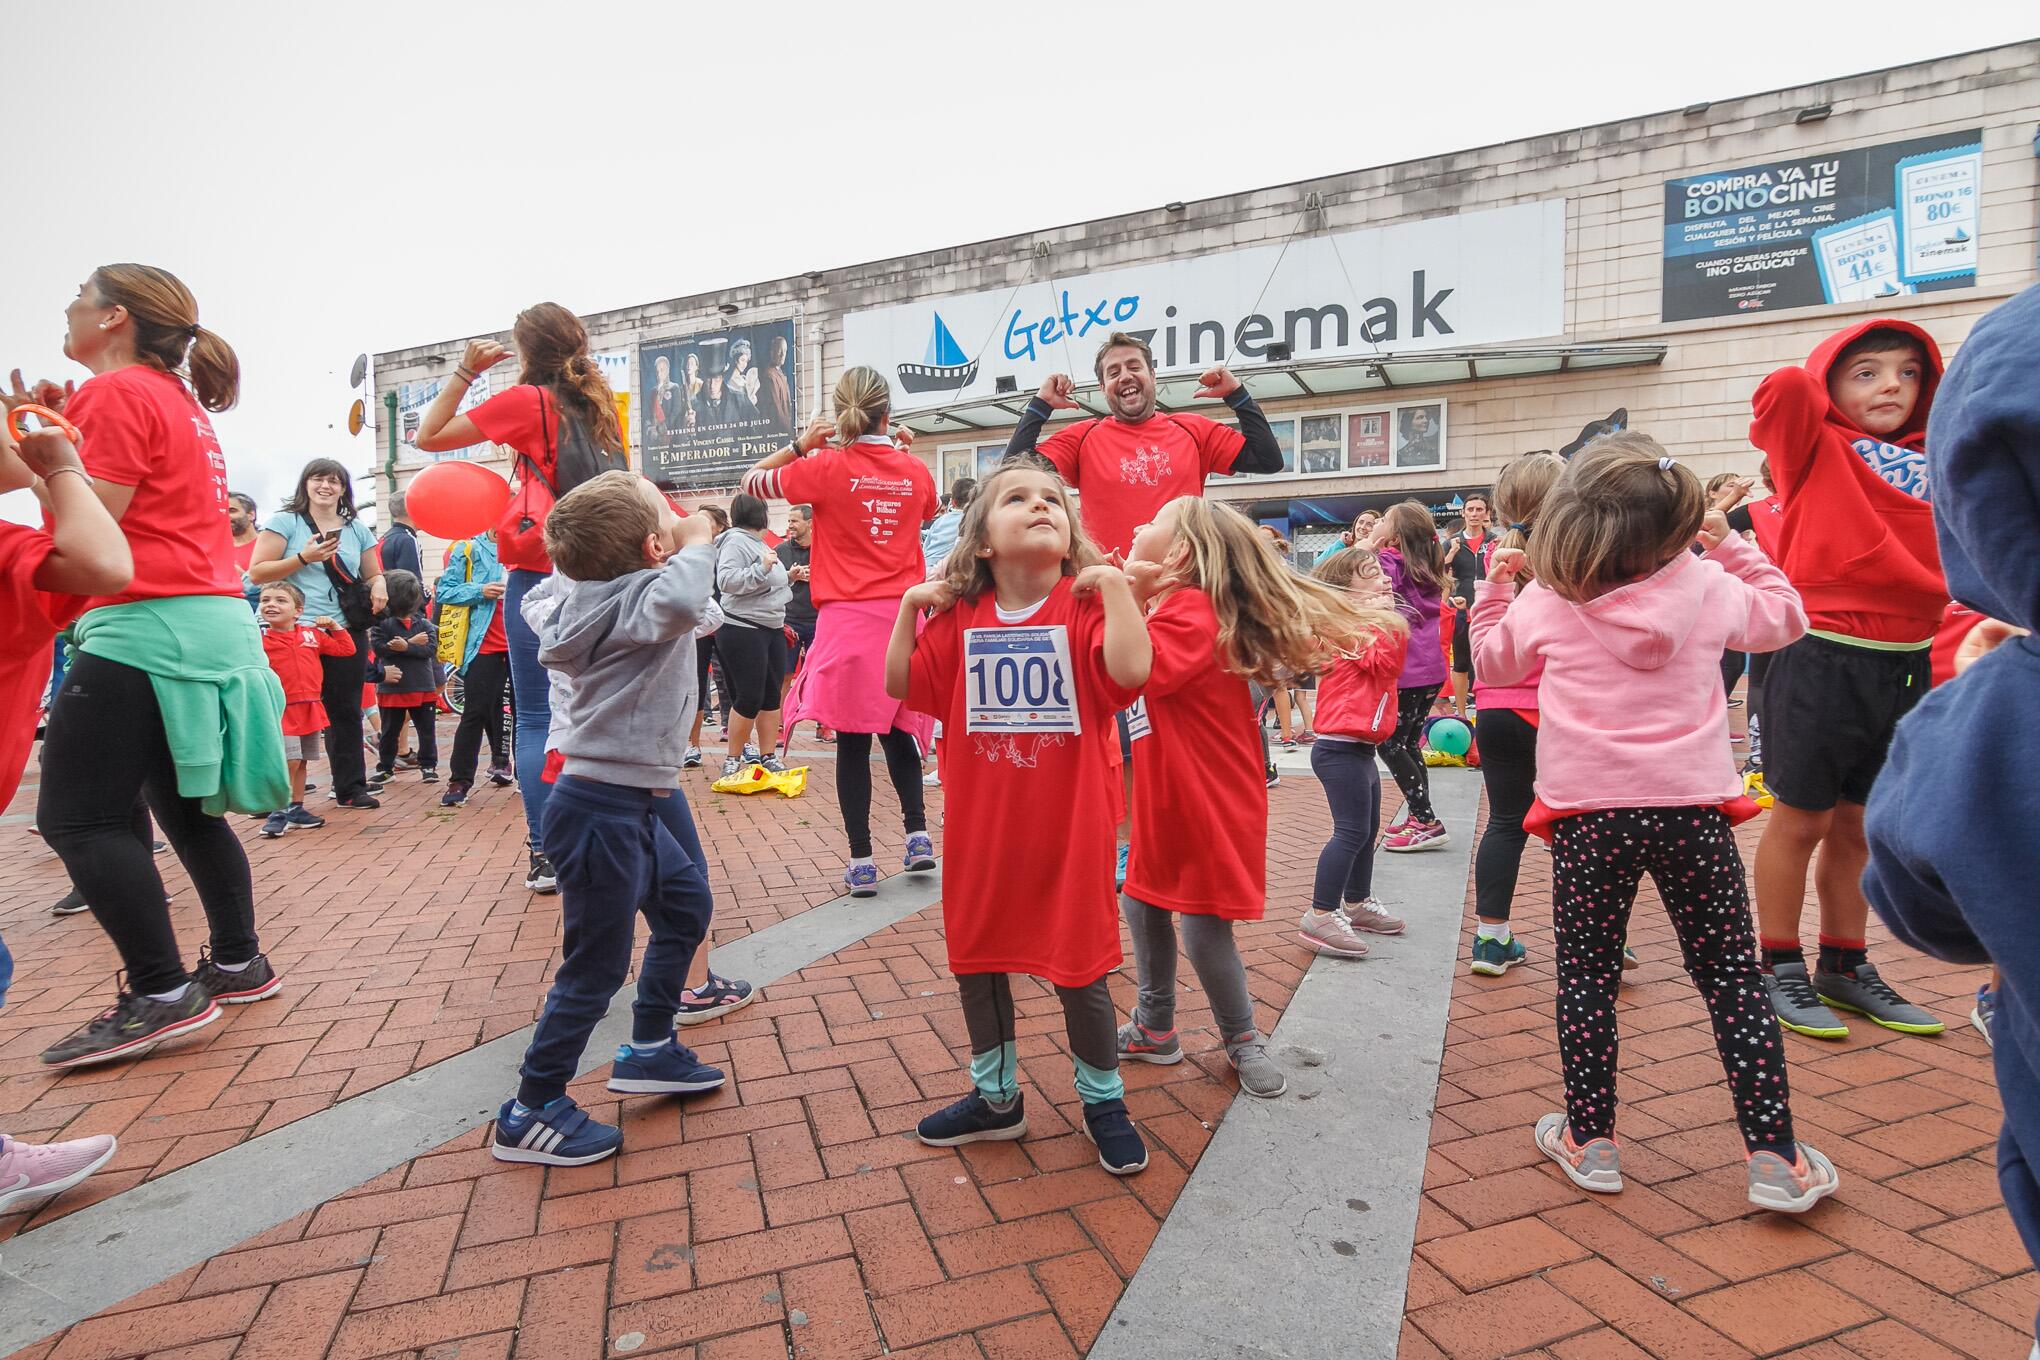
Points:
(315, 542)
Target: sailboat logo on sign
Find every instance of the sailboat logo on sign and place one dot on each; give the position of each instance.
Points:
(946, 369)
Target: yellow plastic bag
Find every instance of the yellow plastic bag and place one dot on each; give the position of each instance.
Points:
(757, 779)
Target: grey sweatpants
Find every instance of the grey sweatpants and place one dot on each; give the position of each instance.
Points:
(1208, 940)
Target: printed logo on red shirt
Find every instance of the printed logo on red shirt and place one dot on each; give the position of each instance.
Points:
(1021, 750)
(1147, 465)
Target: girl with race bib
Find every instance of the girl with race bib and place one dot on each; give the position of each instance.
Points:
(1222, 608)
(1035, 645)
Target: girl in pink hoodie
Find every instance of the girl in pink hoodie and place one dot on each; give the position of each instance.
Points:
(1635, 775)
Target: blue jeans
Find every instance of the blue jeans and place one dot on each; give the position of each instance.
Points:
(529, 699)
(618, 852)
(6, 971)
(1345, 867)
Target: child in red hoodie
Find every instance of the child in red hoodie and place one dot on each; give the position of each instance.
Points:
(1845, 436)
(294, 651)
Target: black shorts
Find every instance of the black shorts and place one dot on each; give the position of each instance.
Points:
(797, 645)
(1829, 710)
(1462, 644)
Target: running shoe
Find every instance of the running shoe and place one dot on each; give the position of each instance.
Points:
(1629, 960)
(1306, 736)
(1493, 957)
(973, 1120)
(1983, 1012)
(429, 775)
(275, 824)
(502, 778)
(257, 981)
(1138, 1043)
(1289, 743)
(541, 878)
(1331, 932)
(772, 764)
(132, 1026)
(861, 880)
(712, 999)
(561, 1134)
(1798, 1005)
(1259, 1076)
(731, 767)
(37, 1171)
(1274, 775)
(669, 1070)
(932, 779)
(750, 754)
(1864, 993)
(690, 759)
(1368, 915)
(1120, 1149)
(73, 902)
(1596, 1167)
(1417, 836)
(158, 847)
(1791, 1187)
(406, 761)
(456, 794)
(920, 852)
(363, 802)
(298, 819)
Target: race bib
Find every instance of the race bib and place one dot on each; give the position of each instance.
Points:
(1019, 680)
(1137, 724)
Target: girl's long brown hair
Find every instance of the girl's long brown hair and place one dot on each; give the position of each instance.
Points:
(1339, 571)
(1620, 511)
(553, 344)
(970, 575)
(168, 337)
(1413, 532)
(1271, 620)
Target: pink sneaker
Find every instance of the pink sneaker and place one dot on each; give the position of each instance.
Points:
(32, 1171)
(1416, 836)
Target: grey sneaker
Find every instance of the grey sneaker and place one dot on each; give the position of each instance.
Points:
(1867, 994)
(1137, 1043)
(1596, 1167)
(773, 764)
(1788, 1188)
(1799, 1009)
(1259, 1076)
(1331, 932)
(730, 767)
(1369, 916)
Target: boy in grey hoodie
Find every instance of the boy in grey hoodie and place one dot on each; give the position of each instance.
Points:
(637, 582)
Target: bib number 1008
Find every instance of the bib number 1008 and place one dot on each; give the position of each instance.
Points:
(1007, 681)
(1019, 680)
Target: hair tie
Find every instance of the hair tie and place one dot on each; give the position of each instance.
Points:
(191, 331)
(1520, 528)
(1665, 464)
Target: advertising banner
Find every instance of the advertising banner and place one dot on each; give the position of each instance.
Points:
(414, 397)
(1844, 226)
(1454, 282)
(713, 403)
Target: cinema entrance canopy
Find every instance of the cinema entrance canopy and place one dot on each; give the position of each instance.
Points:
(1306, 380)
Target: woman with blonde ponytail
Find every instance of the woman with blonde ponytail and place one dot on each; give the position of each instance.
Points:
(560, 420)
(870, 497)
(169, 695)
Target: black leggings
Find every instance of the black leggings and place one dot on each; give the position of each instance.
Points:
(1597, 860)
(423, 718)
(104, 752)
(1403, 753)
(853, 784)
(705, 665)
(754, 660)
(1732, 666)
(483, 684)
(1508, 766)
(340, 692)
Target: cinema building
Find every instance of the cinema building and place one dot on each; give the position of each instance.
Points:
(1408, 328)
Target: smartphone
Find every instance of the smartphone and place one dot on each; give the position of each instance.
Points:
(330, 536)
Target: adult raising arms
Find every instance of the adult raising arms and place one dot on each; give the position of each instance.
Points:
(168, 696)
(560, 420)
(315, 543)
(870, 498)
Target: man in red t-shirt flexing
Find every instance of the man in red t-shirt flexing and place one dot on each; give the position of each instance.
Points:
(1130, 464)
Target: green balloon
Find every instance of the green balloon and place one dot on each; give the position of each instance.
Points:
(1451, 736)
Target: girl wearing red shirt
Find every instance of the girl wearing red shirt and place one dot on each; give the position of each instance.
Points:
(1035, 645)
(560, 421)
(1223, 608)
(870, 498)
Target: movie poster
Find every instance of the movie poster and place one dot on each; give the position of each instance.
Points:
(1844, 226)
(716, 402)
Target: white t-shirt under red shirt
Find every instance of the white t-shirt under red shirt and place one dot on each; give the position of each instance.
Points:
(1127, 473)
(870, 500)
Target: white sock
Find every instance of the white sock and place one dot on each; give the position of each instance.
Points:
(1496, 931)
(177, 995)
(647, 1050)
(231, 967)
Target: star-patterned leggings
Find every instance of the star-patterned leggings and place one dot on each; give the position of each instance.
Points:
(1598, 858)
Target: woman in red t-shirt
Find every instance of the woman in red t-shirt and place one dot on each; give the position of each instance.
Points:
(561, 403)
(157, 468)
(870, 498)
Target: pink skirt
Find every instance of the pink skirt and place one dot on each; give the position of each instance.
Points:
(841, 684)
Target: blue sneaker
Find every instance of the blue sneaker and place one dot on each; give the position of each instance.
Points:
(300, 819)
(1120, 1150)
(275, 824)
(861, 880)
(667, 1071)
(920, 853)
(561, 1134)
(973, 1120)
(1492, 957)
(1119, 874)
(1984, 1012)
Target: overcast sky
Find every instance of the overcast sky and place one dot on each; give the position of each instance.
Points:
(337, 179)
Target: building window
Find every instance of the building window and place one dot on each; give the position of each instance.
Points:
(1360, 440)
(976, 461)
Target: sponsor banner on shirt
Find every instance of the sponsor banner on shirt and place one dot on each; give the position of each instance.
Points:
(1473, 278)
(713, 403)
(1840, 226)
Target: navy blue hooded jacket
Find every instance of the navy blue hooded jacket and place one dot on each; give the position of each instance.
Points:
(1954, 819)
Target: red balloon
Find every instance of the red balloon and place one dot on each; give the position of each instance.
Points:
(456, 499)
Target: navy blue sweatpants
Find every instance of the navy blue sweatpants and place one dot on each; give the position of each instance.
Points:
(618, 852)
